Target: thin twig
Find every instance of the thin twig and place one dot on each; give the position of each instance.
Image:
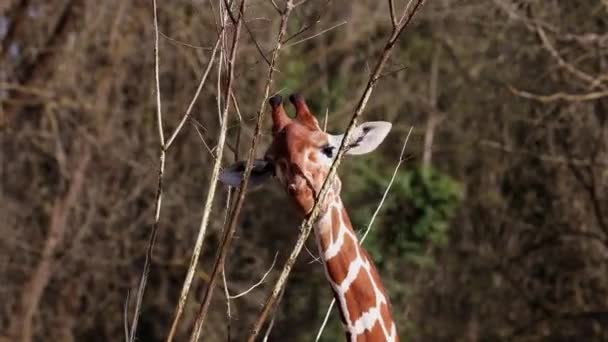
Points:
(392, 72)
(257, 45)
(306, 226)
(177, 41)
(316, 34)
(159, 114)
(236, 107)
(126, 316)
(221, 62)
(226, 291)
(228, 311)
(204, 142)
(371, 222)
(314, 257)
(320, 332)
(159, 189)
(271, 324)
(198, 245)
(391, 8)
(591, 96)
(231, 227)
(406, 11)
(301, 2)
(592, 81)
(200, 318)
(196, 94)
(259, 282)
(269, 329)
(388, 187)
(275, 6)
(321, 12)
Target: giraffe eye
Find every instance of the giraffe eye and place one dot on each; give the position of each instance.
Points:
(328, 150)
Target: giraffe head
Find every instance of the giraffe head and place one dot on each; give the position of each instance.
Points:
(301, 153)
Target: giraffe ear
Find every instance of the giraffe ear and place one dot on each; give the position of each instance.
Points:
(365, 138)
(233, 174)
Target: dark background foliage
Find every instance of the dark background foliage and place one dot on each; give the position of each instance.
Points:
(495, 229)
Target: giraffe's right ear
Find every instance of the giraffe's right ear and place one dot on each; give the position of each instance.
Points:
(233, 174)
(365, 138)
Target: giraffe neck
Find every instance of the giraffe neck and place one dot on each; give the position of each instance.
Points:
(351, 272)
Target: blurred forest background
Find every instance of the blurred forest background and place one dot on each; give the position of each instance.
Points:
(496, 228)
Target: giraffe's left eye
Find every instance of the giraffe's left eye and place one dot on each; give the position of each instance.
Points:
(328, 150)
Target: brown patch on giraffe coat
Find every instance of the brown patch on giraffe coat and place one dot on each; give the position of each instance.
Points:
(336, 223)
(360, 296)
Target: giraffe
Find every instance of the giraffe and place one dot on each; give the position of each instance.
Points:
(300, 156)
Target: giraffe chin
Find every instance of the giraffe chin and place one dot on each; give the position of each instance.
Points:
(304, 200)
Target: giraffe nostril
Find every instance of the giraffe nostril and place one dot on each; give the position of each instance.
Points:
(291, 188)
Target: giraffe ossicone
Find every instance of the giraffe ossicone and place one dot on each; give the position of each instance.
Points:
(300, 156)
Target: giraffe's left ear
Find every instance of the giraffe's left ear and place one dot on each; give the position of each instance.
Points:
(365, 138)
(233, 174)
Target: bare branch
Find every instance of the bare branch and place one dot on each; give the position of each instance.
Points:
(231, 227)
(196, 94)
(226, 291)
(259, 282)
(200, 318)
(204, 142)
(314, 257)
(126, 316)
(391, 8)
(592, 81)
(389, 186)
(198, 245)
(179, 42)
(271, 325)
(275, 6)
(560, 96)
(236, 106)
(311, 25)
(228, 310)
(256, 44)
(392, 72)
(320, 332)
(159, 188)
(316, 34)
(159, 114)
(407, 15)
(301, 2)
(221, 62)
